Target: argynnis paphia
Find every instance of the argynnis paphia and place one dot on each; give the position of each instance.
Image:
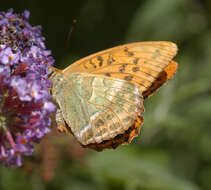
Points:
(100, 97)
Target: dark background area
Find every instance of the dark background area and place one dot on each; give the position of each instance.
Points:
(173, 151)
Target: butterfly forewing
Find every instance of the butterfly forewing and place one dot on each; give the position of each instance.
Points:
(140, 63)
(161, 79)
(98, 108)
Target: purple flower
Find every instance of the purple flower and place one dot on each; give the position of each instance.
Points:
(8, 57)
(26, 14)
(25, 104)
(3, 21)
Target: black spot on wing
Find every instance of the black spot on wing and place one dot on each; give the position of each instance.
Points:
(100, 59)
(110, 60)
(135, 61)
(128, 78)
(135, 69)
(122, 68)
(91, 63)
(128, 53)
(107, 74)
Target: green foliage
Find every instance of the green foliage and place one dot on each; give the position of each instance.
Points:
(173, 151)
(136, 169)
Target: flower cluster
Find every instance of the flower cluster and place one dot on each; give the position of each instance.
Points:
(25, 104)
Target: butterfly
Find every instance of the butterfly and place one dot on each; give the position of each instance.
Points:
(100, 97)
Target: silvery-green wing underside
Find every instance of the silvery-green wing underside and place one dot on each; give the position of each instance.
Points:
(96, 107)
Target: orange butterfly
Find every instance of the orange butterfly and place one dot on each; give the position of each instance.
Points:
(100, 97)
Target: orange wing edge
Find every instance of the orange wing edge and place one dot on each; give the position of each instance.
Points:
(164, 76)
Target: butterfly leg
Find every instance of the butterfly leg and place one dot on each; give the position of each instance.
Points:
(61, 125)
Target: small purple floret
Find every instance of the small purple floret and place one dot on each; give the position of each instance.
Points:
(25, 102)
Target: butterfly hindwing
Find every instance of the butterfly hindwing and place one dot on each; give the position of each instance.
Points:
(146, 64)
(98, 108)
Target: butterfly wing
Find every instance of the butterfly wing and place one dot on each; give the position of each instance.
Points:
(161, 79)
(146, 64)
(100, 111)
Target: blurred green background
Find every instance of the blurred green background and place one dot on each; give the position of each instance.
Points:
(173, 151)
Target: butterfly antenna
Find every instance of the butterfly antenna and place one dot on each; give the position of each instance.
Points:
(70, 32)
